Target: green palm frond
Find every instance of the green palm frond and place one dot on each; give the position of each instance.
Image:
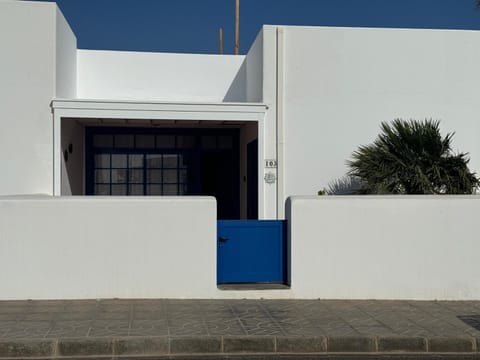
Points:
(412, 157)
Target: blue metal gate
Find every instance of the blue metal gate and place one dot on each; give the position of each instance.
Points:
(251, 251)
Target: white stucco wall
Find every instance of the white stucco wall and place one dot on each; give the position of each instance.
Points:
(27, 33)
(165, 247)
(77, 247)
(341, 83)
(66, 59)
(268, 203)
(121, 75)
(33, 70)
(396, 247)
(254, 61)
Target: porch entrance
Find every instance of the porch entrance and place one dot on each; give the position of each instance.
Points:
(159, 161)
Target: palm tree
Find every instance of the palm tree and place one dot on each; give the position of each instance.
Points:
(411, 157)
(346, 185)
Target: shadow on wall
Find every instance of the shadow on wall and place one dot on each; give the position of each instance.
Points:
(72, 157)
(237, 92)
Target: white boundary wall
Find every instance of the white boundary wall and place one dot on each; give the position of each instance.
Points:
(165, 247)
(397, 247)
(77, 247)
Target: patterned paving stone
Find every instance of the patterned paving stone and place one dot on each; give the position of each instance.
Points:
(229, 327)
(26, 332)
(314, 318)
(396, 316)
(111, 332)
(188, 328)
(67, 333)
(374, 331)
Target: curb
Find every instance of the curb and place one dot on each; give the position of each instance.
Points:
(234, 346)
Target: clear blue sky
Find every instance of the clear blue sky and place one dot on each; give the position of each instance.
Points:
(192, 25)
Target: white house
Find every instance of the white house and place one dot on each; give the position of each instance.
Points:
(251, 130)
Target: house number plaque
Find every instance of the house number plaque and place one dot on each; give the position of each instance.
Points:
(271, 163)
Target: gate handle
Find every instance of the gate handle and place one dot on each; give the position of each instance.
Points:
(223, 239)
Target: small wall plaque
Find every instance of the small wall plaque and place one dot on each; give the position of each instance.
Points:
(271, 163)
(270, 178)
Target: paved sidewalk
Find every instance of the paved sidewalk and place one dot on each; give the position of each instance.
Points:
(230, 328)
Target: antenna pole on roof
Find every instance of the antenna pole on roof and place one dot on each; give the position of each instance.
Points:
(237, 26)
(220, 40)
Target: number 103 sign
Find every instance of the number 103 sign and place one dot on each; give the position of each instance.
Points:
(270, 163)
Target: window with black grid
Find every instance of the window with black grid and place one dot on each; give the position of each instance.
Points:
(141, 174)
(155, 162)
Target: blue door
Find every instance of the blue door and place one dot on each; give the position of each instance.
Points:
(252, 251)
